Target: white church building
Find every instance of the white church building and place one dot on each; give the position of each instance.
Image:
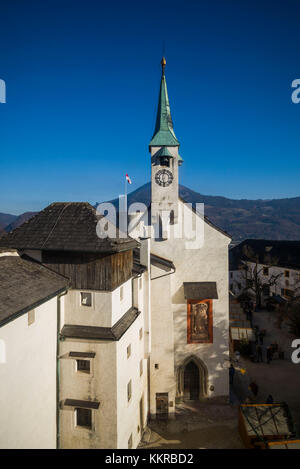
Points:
(139, 323)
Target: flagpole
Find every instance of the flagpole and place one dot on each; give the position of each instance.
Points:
(126, 221)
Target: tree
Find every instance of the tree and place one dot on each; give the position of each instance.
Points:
(256, 282)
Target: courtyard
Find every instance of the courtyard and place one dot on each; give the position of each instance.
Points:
(212, 425)
(280, 378)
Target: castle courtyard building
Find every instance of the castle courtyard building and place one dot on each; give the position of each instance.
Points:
(140, 321)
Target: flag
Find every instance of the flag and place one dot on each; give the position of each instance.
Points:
(128, 179)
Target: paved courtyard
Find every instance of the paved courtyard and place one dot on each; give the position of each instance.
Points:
(197, 426)
(281, 378)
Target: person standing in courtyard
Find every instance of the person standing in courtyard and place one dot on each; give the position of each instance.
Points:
(269, 354)
(261, 337)
(259, 357)
(231, 373)
(254, 388)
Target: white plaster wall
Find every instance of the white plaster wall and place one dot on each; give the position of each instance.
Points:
(111, 370)
(28, 381)
(106, 307)
(128, 413)
(169, 312)
(237, 277)
(100, 385)
(162, 338)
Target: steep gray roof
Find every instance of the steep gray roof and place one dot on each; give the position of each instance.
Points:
(266, 252)
(24, 285)
(65, 226)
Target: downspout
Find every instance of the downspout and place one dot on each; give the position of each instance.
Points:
(58, 367)
(164, 275)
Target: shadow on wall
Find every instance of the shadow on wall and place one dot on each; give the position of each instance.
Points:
(215, 356)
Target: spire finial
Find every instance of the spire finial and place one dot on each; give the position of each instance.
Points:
(163, 64)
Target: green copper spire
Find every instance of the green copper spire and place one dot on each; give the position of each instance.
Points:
(164, 133)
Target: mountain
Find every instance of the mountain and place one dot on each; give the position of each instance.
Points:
(16, 221)
(6, 219)
(276, 219)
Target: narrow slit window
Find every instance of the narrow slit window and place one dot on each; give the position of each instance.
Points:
(141, 367)
(129, 391)
(31, 317)
(86, 299)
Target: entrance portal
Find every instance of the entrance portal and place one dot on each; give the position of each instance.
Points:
(191, 381)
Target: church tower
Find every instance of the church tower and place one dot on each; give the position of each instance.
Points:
(165, 160)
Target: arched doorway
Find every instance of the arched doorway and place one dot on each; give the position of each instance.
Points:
(191, 381)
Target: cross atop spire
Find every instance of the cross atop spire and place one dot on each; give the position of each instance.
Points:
(164, 134)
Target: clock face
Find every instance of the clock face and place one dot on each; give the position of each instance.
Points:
(164, 177)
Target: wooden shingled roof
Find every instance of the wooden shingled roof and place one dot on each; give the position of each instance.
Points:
(25, 284)
(66, 226)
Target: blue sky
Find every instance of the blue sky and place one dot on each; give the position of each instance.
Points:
(82, 87)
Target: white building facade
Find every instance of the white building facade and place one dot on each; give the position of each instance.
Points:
(277, 264)
(28, 345)
(143, 322)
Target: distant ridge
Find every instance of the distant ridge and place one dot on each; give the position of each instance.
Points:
(276, 219)
(18, 220)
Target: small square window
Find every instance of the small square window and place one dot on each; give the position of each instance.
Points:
(128, 350)
(141, 367)
(129, 391)
(84, 366)
(31, 317)
(86, 299)
(156, 366)
(287, 273)
(83, 417)
(266, 270)
(130, 442)
(141, 333)
(121, 293)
